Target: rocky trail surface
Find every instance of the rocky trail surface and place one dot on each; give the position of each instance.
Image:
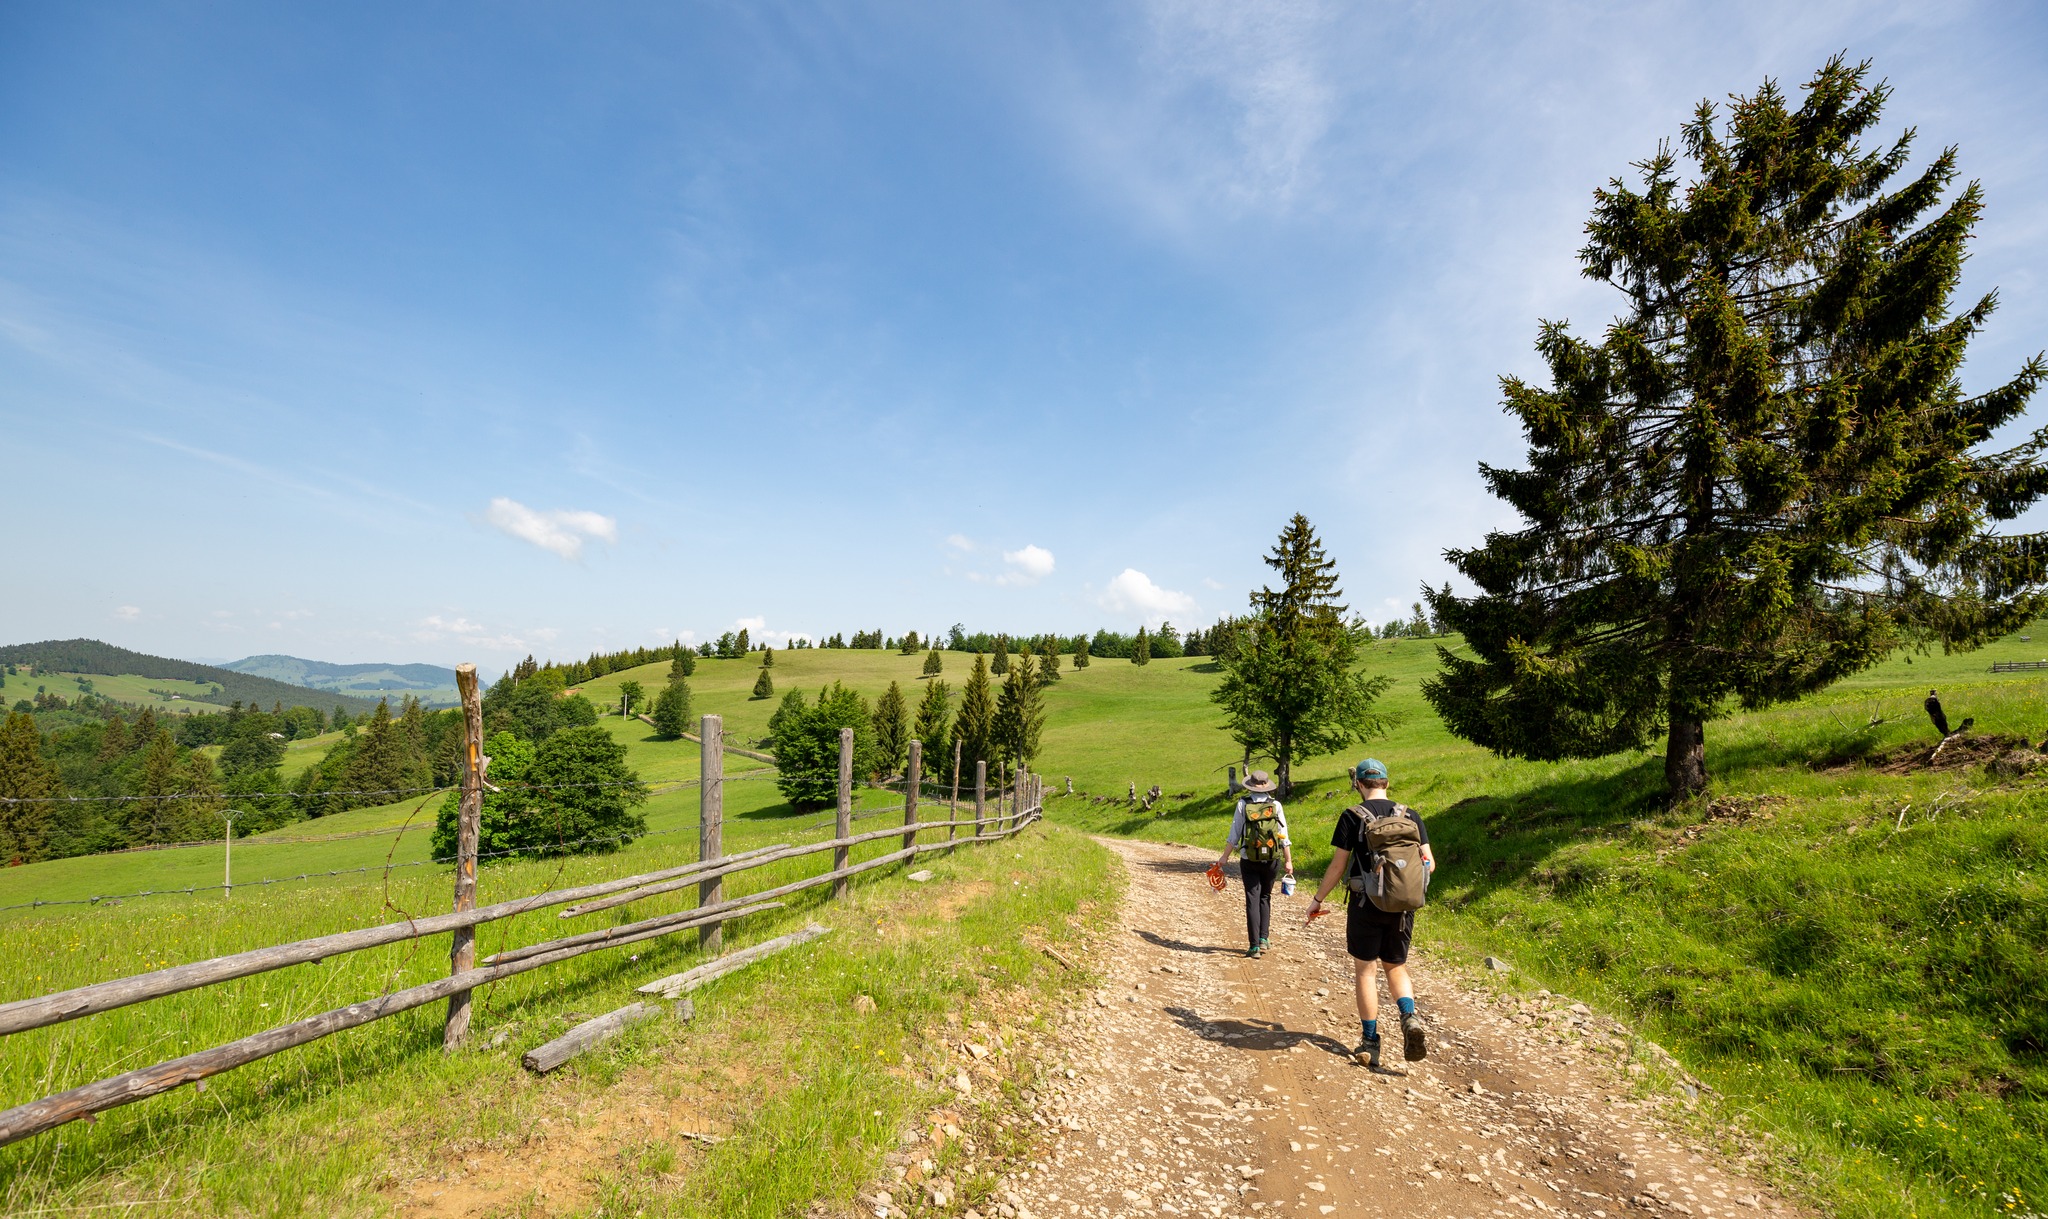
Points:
(1202, 1082)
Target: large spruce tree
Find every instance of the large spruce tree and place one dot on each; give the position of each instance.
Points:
(975, 726)
(25, 776)
(1766, 475)
(933, 716)
(1020, 713)
(1292, 688)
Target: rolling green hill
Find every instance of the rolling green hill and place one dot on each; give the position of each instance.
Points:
(157, 677)
(433, 685)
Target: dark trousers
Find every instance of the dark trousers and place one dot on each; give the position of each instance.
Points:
(1260, 879)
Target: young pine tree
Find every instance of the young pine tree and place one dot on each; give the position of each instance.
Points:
(933, 666)
(892, 730)
(26, 776)
(767, 657)
(764, 685)
(1766, 475)
(1291, 687)
(684, 665)
(975, 726)
(1020, 714)
(1081, 656)
(1049, 662)
(933, 715)
(1001, 665)
(1141, 648)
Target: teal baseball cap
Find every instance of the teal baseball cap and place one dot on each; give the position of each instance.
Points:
(1372, 770)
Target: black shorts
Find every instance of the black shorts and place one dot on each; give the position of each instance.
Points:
(1370, 935)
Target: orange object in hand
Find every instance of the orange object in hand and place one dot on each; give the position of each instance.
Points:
(1215, 875)
(1316, 910)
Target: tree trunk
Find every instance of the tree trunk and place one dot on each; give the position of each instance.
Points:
(1283, 766)
(1685, 758)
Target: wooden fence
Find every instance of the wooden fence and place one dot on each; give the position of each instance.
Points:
(465, 975)
(2017, 666)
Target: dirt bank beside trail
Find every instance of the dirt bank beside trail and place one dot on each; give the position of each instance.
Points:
(1206, 1083)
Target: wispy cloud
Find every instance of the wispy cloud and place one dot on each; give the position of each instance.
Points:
(758, 632)
(128, 613)
(436, 629)
(1027, 566)
(1133, 592)
(561, 531)
(960, 542)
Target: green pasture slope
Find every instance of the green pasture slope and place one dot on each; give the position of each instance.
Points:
(1847, 946)
(319, 1131)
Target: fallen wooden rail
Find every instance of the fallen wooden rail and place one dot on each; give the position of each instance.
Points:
(544, 1058)
(676, 985)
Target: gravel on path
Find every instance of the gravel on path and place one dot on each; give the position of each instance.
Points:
(1201, 1082)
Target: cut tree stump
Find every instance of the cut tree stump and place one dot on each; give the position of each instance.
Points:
(690, 979)
(591, 1033)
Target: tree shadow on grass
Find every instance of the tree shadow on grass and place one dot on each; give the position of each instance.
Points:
(1485, 843)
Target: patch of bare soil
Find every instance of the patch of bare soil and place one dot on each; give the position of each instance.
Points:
(1995, 749)
(1201, 1082)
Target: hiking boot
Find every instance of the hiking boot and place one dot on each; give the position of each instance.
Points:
(1367, 1054)
(1263, 944)
(1253, 951)
(1414, 1038)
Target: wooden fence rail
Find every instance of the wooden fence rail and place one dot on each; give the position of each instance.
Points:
(2017, 666)
(711, 912)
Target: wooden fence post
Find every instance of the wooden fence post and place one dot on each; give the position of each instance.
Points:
(711, 820)
(462, 950)
(953, 831)
(914, 780)
(841, 854)
(980, 794)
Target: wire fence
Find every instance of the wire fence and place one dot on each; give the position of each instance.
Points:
(385, 869)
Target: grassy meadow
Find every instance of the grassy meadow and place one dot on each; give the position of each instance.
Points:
(1846, 944)
(128, 688)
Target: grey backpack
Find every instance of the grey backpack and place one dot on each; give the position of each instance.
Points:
(1387, 867)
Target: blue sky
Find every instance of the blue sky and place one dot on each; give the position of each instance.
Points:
(440, 332)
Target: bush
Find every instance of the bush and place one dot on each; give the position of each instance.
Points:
(764, 685)
(672, 710)
(807, 744)
(571, 794)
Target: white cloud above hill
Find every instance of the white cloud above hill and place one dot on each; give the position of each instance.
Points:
(1134, 592)
(561, 531)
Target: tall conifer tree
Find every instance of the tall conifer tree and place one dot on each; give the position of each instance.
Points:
(24, 775)
(974, 728)
(1292, 688)
(933, 715)
(1766, 476)
(933, 665)
(892, 730)
(1020, 714)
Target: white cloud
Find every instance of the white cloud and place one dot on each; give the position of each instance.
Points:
(435, 629)
(960, 542)
(1134, 592)
(560, 532)
(128, 613)
(1207, 582)
(758, 632)
(1031, 564)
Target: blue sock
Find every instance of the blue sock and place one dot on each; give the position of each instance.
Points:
(1372, 1028)
(1407, 1006)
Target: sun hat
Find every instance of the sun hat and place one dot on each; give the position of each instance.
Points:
(1259, 781)
(1372, 770)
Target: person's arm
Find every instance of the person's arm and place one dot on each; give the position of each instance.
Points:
(1236, 834)
(1428, 856)
(1339, 860)
(1286, 839)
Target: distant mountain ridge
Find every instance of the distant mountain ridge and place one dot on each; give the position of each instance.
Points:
(433, 684)
(105, 659)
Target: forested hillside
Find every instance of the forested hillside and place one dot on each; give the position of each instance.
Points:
(93, 656)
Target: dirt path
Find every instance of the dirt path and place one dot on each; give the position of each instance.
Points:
(1207, 1083)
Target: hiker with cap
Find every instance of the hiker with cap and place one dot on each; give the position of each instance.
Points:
(1258, 832)
(1381, 854)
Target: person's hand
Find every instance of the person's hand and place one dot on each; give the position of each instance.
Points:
(1315, 910)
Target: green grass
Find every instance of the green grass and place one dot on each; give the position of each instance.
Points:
(140, 691)
(1869, 989)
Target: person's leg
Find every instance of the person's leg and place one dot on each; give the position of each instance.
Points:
(1255, 877)
(1414, 1036)
(1368, 991)
(1266, 904)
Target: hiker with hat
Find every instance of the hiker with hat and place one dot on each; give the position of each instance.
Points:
(1258, 831)
(1381, 854)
